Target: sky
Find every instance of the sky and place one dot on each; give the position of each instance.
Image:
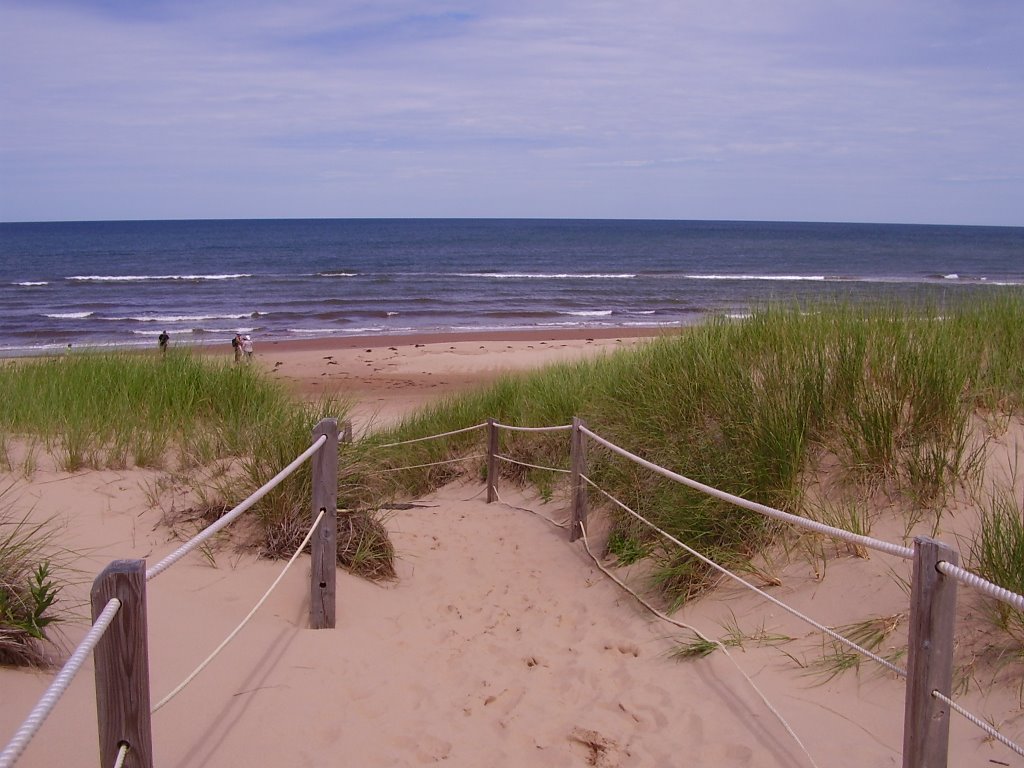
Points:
(801, 110)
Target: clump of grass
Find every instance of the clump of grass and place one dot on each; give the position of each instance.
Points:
(870, 634)
(97, 409)
(231, 426)
(364, 547)
(28, 593)
(735, 637)
(996, 553)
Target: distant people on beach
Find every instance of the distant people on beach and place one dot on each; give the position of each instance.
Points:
(236, 345)
(247, 348)
(162, 341)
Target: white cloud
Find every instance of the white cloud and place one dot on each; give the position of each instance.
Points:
(678, 109)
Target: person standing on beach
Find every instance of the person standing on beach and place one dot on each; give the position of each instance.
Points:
(247, 348)
(236, 344)
(162, 341)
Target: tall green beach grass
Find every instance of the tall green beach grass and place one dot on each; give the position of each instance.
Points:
(227, 428)
(751, 407)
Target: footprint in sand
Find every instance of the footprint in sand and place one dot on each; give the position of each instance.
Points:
(599, 751)
(626, 649)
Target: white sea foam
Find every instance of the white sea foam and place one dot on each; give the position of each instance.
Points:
(814, 278)
(547, 276)
(70, 315)
(951, 276)
(31, 283)
(588, 313)
(142, 278)
(337, 274)
(391, 314)
(180, 318)
(320, 331)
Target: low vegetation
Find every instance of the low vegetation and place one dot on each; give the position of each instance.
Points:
(223, 430)
(28, 591)
(888, 394)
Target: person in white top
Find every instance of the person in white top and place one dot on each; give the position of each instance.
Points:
(247, 348)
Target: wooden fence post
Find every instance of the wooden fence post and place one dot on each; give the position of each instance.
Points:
(930, 657)
(578, 463)
(492, 460)
(122, 665)
(323, 547)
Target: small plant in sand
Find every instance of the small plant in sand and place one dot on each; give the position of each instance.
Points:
(870, 634)
(28, 593)
(734, 637)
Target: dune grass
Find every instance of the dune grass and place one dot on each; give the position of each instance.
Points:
(748, 407)
(222, 429)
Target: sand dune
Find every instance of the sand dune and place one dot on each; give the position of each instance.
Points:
(499, 644)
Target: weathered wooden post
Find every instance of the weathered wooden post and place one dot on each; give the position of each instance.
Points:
(122, 665)
(323, 547)
(492, 460)
(578, 468)
(930, 657)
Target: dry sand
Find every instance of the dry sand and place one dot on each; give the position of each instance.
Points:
(499, 644)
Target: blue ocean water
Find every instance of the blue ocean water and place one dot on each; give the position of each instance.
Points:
(122, 283)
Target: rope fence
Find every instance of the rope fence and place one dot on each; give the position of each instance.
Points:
(430, 464)
(235, 513)
(121, 661)
(926, 730)
(986, 588)
(929, 669)
(510, 460)
(61, 681)
(231, 635)
(510, 428)
(431, 437)
(757, 590)
(802, 522)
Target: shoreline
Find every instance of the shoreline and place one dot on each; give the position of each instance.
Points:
(385, 378)
(362, 340)
(319, 343)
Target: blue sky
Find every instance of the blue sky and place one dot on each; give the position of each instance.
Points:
(815, 110)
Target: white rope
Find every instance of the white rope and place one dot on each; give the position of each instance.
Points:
(431, 464)
(122, 753)
(725, 572)
(560, 428)
(980, 723)
(230, 517)
(703, 637)
(431, 437)
(59, 685)
(865, 541)
(564, 525)
(531, 466)
(244, 621)
(982, 585)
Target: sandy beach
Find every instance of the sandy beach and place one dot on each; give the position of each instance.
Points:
(500, 643)
(387, 376)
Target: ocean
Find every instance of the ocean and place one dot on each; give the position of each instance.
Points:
(101, 284)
